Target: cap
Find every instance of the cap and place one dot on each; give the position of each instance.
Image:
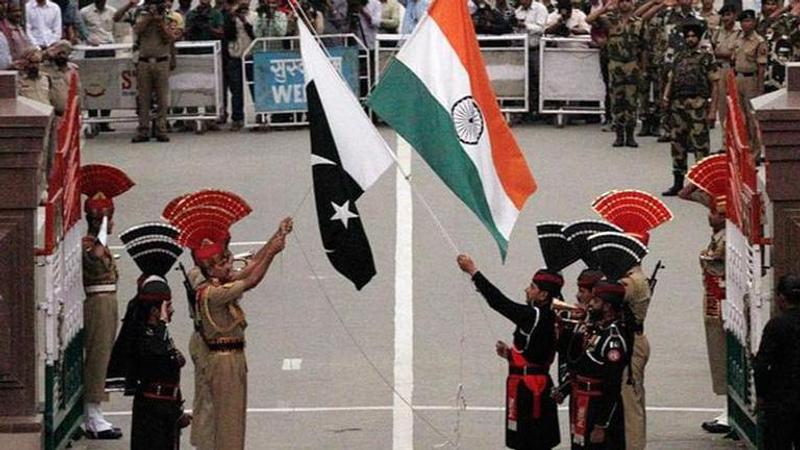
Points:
(154, 289)
(636, 212)
(610, 291)
(693, 25)
(101, 183)
(588, 278)
(726, 8)
(550, 281)
(746, 14)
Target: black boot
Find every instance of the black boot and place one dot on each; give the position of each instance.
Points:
(646, 129)
(629, 140)
(620, 141)
(677, 185)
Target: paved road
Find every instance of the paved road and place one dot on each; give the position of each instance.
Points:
(340, 395)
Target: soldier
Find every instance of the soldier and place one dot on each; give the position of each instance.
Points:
(33, 83)
(783, 46)
(144, 352)
(100, 183)
(652, 72)
(222, 319)
(625, 46)
(749, 62)
(769, 12)
(531, 415)
(723, 40)
(708, 185)
(154, 41)
(776, 369)
(61, 73)
(691, 96)
(711, 16)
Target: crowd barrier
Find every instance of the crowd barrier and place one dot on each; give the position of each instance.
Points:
(274, 81)
(570, 81)
(506, 59)
(108, 81)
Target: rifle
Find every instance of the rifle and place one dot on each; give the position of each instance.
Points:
(191, 293)
(653, 277)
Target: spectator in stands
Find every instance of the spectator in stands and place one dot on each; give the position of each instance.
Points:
(73, 28)
(391, 13)
(567, 21)
(269, 20)
(225, 7)
(531, 18)
(366, 18)
(205, 23)
(125, 17)
(415, 10)
(488, 20)
(239, 35)
(32, 83)
(507, 11)
(314, 15)
(43, 22)
(99, 20)
(335, 13)
(12, 28)
(549, 6)
(184, 6)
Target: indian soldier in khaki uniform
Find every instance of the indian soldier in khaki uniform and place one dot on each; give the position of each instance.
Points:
(154, 42)
(101, 184)
(222, 320)
(749, 63)
(202, 435)
(625, 48)
(691, 96)
(723, 41)
(32, 82)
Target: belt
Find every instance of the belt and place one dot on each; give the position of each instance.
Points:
(528, 370)
(155, 59)
(100, 288)
(587, 384)
(226, 346)
(161, 391)
(745, 74)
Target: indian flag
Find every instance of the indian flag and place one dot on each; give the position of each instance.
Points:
(436, 95)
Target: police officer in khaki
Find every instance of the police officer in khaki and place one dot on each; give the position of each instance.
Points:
(749, 63)
(723, 40)
(32, 83)
(154, 42)
(61, 72)
(222, 323)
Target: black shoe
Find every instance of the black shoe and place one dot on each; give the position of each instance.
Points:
(114, 433)
(140, 138)
(646, 129)
(713, 426)
(629, 140)
(620, 141)
(677, 185)
(106, 128)
(162, 138)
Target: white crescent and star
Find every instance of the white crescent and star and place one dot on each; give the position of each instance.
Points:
(343, 213)
(319, 160)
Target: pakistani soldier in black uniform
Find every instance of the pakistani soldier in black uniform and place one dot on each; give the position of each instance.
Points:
(531, 412)
(777, 370)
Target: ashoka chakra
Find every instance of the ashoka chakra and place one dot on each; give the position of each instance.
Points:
(468, 120)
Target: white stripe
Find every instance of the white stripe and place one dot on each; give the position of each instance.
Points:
(402, 415)
(429, 55)
(363, 152)
(318, 409)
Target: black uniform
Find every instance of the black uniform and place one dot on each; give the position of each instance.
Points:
(531, 414)
(597, 358)
(158, 403)
(777, 379)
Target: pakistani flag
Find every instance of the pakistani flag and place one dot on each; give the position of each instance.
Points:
(347, 156)
(436, 94)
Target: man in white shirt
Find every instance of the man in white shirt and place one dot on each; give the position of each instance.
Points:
(99, 20)
(531, 18)
(43, 22)
(567, 21)
(369, 20)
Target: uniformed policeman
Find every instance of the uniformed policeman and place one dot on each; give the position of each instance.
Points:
(723, 40)
(691, 96)
(100, 183)
(32, 82)
(625, 48)
(61, 73)
(749, 63)
(154, 42)
(222, 319)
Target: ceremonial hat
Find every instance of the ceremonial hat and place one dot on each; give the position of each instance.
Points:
(710, 175)
(726, 8)
(617, 253)
(579, 231)
(204, 219)
(153, 247)
(636, 212)
(610, 291)
(746, 14)
(558, 253)
(101, 183)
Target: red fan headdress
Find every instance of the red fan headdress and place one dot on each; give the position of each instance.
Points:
(204, 218)
(101, 183)
(710, 175)
(636, 212)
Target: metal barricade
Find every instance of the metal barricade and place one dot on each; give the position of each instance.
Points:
(570, 81)
(274, 82)
(108, 79)
(505, 57)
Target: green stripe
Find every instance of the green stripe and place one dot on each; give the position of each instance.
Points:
(404, 102)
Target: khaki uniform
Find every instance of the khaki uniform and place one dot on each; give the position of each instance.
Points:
(724, 42)
(152, 74)
(202, 435)
(712, 261)
(637, 297)
(712, 19)
(59, 86)
(223, 324)
(100, 318)
(35, 88)
(750, 55)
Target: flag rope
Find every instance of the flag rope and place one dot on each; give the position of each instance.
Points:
(361, 349)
